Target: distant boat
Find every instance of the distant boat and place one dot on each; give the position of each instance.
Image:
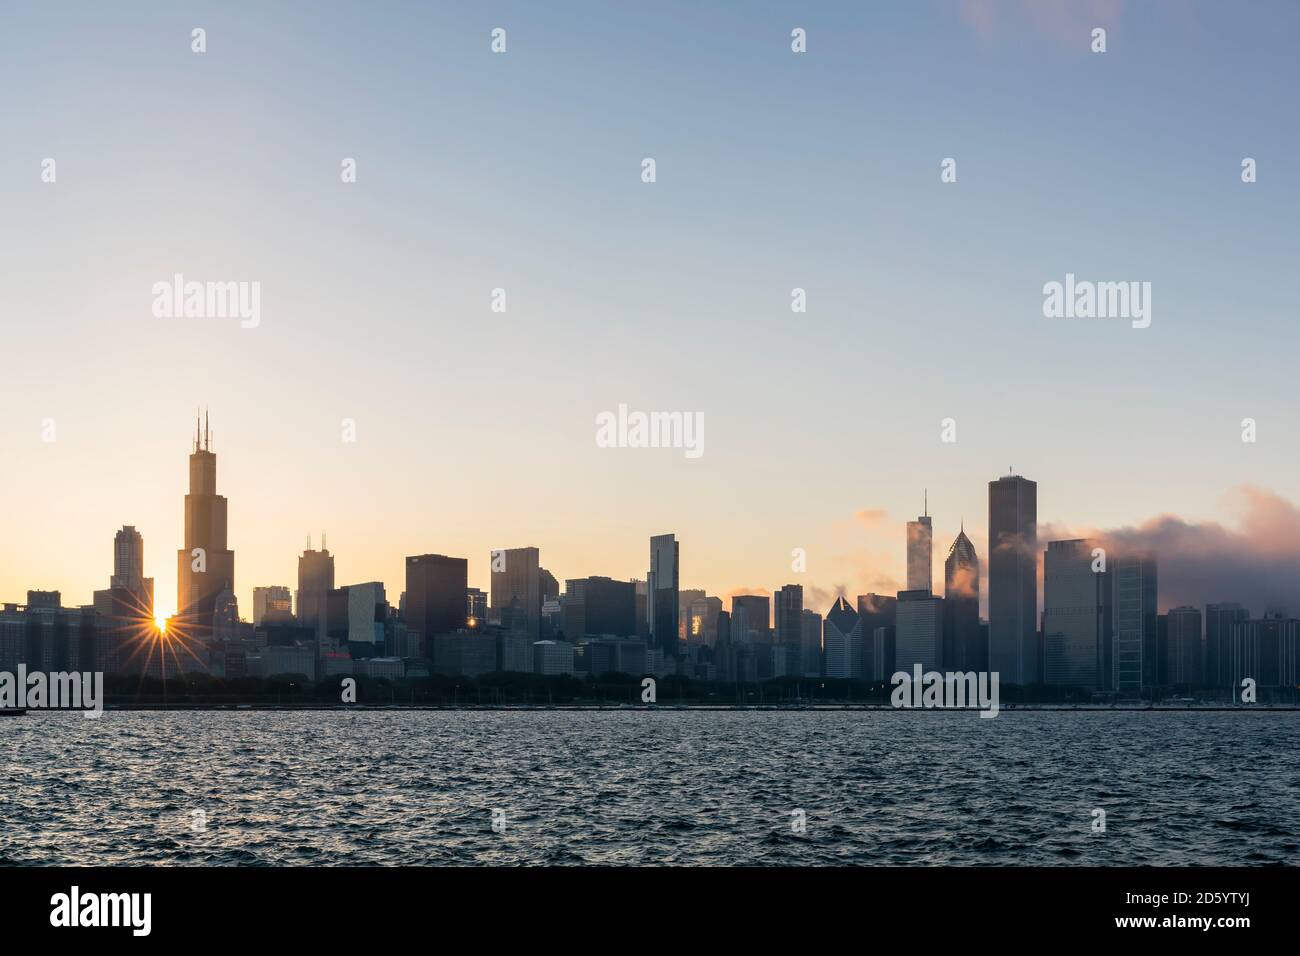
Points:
(12, 711)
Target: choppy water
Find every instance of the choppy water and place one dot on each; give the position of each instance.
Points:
(650, 787)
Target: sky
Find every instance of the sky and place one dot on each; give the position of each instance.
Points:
(523, 171)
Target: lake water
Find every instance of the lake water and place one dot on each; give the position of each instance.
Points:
(675, 787)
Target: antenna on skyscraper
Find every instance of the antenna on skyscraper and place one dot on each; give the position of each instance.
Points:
(206, 444)
(323, 546)
(927, 502)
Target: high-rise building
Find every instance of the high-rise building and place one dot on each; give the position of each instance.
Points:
(642, 609)
(1267, 651)
(920, 552)
(517, 581)
(810, 644)
(686, 597)
(550, 586)
(702, 620)
(1013, 579)
(273, 601)
(129, 595)
(662, 584)
(315, 581)
(918, 631)
(842, 641)
(128, 567)
(355, 618)
(1076, 615)
(205, 567)
(476, 606)
(599, 606)
(1136, 629)
(435, 596)
(751, 617)
(1184, 647)
(1220, 619)
(878, 613)
(789, 610)
(963, 648)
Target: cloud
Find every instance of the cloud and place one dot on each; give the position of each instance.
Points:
(871, 518)
(1255, 562)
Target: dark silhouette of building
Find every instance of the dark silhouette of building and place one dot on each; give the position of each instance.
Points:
(599, 606)
(962, 647)
(517, 584)
(878, 613)
(1136, 628)
(315, 581)
(662, 598)
(751, 616)
(1267, 651)
(1183, 650)
(1013, 579)
(435, 596)
(1220, 619)
(1077, 616)
(788, 609)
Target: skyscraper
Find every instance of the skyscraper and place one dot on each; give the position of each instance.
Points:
(599, 606)
(128, 566)
(878, 613)
(918, 634)
(789, 607)
(1013, 579)
(1184, 649)
(1076, 615)
(273, 601)
(355, 618)
(842, 641)
(920, 554)
(662, 602)
(315, 581)
(1267, 651)
(476, 605)
(810, 643)
(1135, 658)
(963, 648)
(516, 576)
(205, 567)
(1220, 619)
(129, 593)
(435, 596)
(751, 618)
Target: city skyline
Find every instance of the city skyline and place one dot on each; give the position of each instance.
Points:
(206, 518)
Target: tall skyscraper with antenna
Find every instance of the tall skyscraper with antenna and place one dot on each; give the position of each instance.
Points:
(920, 541)
(205, 567)
(315, 581)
